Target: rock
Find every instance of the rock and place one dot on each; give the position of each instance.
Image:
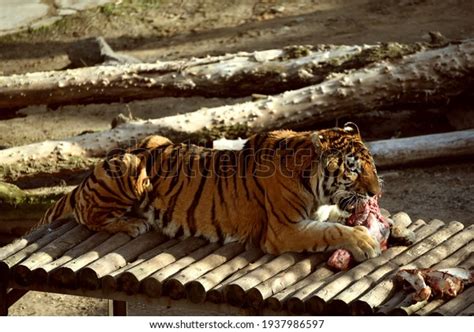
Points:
(20, 14)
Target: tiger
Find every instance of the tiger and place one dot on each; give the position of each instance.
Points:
(279, 192)
(113, 198)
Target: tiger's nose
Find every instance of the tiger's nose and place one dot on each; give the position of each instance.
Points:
(370, 194)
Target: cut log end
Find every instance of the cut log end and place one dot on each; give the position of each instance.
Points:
(215, 296)
(109, 284)
(315, 305)
(295, 306)
(63, 277)
(235, 295)
(128, 283)
(88, 279)
(152, 287)
(22, 275)
(174, 289)
(254, 298)
(338, 307)
(273, 304)
(361, 308)
(195, 292)
(40, 276)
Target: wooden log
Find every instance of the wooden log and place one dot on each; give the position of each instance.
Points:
(20, 255)
(109, 282)
(217, 293)
(65, 276)
(21, 243)
(468, 311)
(130, 280)
(411, 150)
(410, 80)
(89, 276)
(174, 286)
(359, 287)
(41, 273)
(196, 289)
(235, 291)
(423, 255)
(296, 303)
(231, 75)
(22, 273)
(256, 296)
(153, 285)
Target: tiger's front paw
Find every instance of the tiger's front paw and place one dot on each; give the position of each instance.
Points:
(137, 227)
(362, 245)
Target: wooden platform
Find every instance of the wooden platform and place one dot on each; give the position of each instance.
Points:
(69, 259)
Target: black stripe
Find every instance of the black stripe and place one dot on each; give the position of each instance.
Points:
(168, 214)
(214, 222)
(204, 164)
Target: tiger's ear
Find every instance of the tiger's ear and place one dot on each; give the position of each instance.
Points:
(351, 128)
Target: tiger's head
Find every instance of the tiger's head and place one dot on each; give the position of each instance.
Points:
(346, 172)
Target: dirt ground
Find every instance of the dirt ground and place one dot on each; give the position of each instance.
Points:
(172, 29)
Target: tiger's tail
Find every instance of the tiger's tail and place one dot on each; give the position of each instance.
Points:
(61, 209)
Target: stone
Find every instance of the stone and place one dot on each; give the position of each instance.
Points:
(15, 15)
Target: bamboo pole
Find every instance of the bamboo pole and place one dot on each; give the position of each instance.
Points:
(217, 294)
(343, 299)
(130, 280)
(22, 273)
(235, 291)
(89, 276)
(30, 238)
(256, 296)
(65, 275)
(196, 289)
(468, 311)
(175, 285)
(296, 303)
(41, 273)
(420, 255)
(20, 255)
(109, 282)
(153, 285)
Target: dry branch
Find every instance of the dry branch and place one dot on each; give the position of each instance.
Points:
(232, 75)
(425, 77)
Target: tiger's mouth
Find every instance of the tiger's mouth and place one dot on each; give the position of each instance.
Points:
(351, 202)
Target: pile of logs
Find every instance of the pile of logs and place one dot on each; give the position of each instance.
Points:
(298, 87)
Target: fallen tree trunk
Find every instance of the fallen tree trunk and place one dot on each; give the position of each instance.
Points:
(425, 77)
(232, 75)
